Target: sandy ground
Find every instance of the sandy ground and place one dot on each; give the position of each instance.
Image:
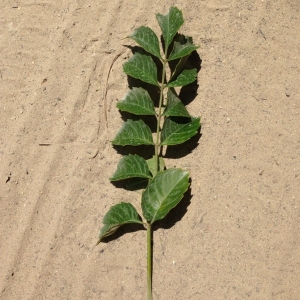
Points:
(238, 234)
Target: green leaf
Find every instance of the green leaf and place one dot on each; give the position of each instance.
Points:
(131, 166)
(183, 47)
(141, 66)
(133, 133)
(138, 102)
(152, 165)
(174, 133)
(184, 78)
(146, 38)
(179, 68)
(175, 107)
(170, 24)
(163, 193)
(118, 215)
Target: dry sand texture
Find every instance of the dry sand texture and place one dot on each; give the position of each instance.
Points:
(239, 236)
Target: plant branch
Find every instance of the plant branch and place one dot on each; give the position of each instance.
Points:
(161, 97)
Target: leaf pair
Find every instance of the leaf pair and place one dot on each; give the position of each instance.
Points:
(142, 67)
(134, 133)
(162, 194)
(138, 101)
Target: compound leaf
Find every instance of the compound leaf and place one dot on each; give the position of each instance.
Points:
(163, 193)
(137, 101)
(131, 166)
(118, 215)
(183, 47)
(141, 66)
(184, 78)
(133, 133)
(169, 24)
(174, 133)
(146, 38)
(175, 107)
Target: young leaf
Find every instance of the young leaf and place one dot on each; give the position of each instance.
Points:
(138, 102)
(175, 107)
(146, 38)
(163, 193)
(186, 77)
(177, 133)
(169, 24)
(131, 166)
(118, 215)
(152, 165)
(141, 66)
(182, 48)
(133, 133)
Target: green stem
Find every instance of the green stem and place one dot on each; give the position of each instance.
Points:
(157, 150)
(161, 98)
(149, 261)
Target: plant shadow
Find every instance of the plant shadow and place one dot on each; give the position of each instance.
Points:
(128, 228)
(146, 151)
(179, 151)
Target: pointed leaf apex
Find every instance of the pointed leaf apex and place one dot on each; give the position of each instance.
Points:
(170, 24)
(147, 39)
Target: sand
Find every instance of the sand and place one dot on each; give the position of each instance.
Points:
(235, 236)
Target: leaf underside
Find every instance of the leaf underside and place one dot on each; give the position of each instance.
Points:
(147, 39)
(137, 101)
(133, 133)
(175, 107)
(184, 78)
(174, 133)
(163, 193)
(118, 215)
(170, 24)
(131, 166)
(141, 66)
